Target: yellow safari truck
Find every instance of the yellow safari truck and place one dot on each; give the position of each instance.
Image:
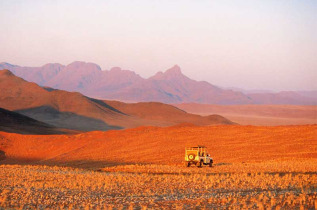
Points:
(197, 156)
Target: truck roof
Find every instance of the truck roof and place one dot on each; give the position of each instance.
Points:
(196, 147)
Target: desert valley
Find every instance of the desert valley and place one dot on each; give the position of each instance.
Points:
(62, 149)
(158, 104)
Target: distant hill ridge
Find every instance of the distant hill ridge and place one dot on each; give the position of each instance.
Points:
(74, 111)
(171, 86)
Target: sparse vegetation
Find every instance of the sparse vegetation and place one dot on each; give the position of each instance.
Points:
(152, 186)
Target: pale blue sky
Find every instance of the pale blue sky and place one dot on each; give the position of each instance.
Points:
(248, 44)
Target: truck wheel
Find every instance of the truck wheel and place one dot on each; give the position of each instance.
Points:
(191, 156)
(188, 164)
(200, 164)
(210, 164)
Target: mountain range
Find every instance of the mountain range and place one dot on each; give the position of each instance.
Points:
(74, 111)
(171, 86)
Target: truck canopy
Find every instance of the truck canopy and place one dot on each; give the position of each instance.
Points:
(199, 149)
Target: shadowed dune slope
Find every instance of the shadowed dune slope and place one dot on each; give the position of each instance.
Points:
(18, 94)
(67, 120)
(73, 110)
(17, 123)
(232, 143)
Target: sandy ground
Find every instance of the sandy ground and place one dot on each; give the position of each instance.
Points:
(255, 167)
(227, 143)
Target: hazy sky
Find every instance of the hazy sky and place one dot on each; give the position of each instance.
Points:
(248, 44)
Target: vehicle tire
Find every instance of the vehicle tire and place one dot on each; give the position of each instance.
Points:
(191, 157)
(188, 164)
(210, 164)
(200, 164)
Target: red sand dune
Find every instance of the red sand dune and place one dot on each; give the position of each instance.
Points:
(162, 145)
(163, 113)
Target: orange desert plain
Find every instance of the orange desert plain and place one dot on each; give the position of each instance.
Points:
(140, 168)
